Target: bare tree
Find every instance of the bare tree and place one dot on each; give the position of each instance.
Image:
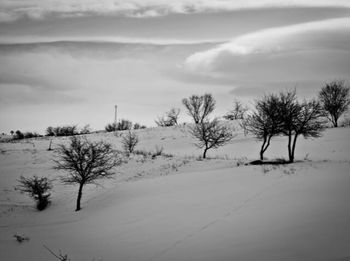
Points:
(211, 135)
(86, 162)
(173, 115)
(297, 119)
(309, 123)
(37, 188)
(264, 123)
(129, 141)
(334, 97)
(170, 119)
(238, 112)
(199, 107)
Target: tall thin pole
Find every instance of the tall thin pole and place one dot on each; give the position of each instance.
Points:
(115, 113)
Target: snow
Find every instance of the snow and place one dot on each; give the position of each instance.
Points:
(182, 208)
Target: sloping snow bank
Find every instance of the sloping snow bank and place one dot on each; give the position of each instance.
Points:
(296, 212)
(212, 210)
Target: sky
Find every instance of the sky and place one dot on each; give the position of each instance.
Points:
(69, 62)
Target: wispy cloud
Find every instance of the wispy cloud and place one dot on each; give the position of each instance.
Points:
(38, 9)
(331, 33)
(103, 39)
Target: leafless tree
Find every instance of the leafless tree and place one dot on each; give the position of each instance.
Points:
(211, 135)
(199, 107)
(238, 112)
(86, 162)
(264, 122)
(170, 119)
(37, 188)
(129, 141)
(335, 100)
(297, 119)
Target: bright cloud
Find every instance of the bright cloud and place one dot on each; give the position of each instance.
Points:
(38, 9)
(304, 36)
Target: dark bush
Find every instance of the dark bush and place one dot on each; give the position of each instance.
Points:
(68, 130)
(138, 126)
(124, 125)
(37, 188)
(18, 135)
(111, 127)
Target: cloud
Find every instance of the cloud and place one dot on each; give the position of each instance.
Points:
(331, 34)
(34, 39)
(38, 9)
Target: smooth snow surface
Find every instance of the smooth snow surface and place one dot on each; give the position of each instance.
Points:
(179, 208)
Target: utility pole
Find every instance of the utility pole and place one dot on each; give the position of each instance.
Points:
(115, 113)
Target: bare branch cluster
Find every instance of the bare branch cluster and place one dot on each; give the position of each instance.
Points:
(211, 135)
(170, 119)
(199, 107)
(238, 112)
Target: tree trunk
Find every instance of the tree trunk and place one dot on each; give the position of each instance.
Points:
(334, 121)
(262, 150)
(80, 193)
(205, 153)
(291, 159)
(264, 147)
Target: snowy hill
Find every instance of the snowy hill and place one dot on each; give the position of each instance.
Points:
(178, 207)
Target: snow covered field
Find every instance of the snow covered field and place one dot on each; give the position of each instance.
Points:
(182, 208)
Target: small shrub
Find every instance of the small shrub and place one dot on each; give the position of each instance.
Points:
(238, 112)
(143, 153)
(158, 151)
(241, 161)
(124, 125)
(138, 126)
(59, 255)
(18, 135)
(37, 188)
(345, 123)
(129, 141)
(21, 238)
(85, 130)
(170, 119)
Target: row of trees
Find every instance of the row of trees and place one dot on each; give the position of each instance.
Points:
(283, 114)
(87, 162)
(333, 98)
(123, 124)
(273, 115)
